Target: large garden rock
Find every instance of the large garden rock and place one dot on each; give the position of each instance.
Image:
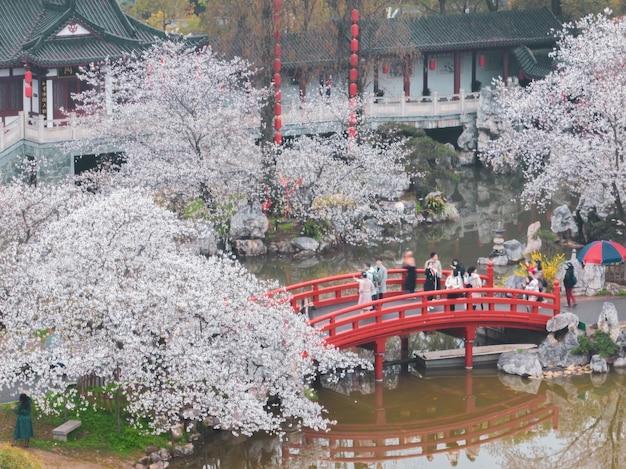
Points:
(304, 243)
(249, 222)
(562, 321)
(557, 353)
(608, 321)
(514, 250)
(249, 247)
(562, 222)
(598, 364)
(520, 363)
(532, 242)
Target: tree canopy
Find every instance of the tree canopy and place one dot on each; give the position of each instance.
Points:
(568, 131)
(112, 288)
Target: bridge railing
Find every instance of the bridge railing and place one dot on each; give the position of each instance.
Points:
(392, 315)
(343, 289)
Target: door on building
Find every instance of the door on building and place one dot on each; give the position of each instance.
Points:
(64, 88)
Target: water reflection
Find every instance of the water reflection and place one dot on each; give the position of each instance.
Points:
(485, 202)
(478, 419)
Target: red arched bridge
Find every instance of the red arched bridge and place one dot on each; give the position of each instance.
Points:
(340, 319)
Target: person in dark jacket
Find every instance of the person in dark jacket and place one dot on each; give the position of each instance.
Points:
(569, 281)
(430, 283)
(408, 263)
(24, 425)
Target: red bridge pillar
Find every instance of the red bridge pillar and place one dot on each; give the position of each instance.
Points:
(379, 353)
(470, 337)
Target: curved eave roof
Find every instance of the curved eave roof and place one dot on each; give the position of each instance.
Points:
(533, 67)
(29, 29)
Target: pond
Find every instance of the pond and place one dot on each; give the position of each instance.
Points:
(414, 418)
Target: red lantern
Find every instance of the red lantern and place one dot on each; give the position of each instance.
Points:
(385, 68)
(278, 95)
(277, 50)
(353, 89)
(354, 15)
(277, 79)
(354, 29)
(354, 60)
(277, 64)
(432, 64)
(28, 76)
(354, 74)
(278, 123)
(351, 132)
(278, 138)
(481, 60)
(278, 109)
(352, 121)
(28, 91)
(277, 5)
(354, 45)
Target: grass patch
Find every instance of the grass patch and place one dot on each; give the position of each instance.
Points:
(97, 434)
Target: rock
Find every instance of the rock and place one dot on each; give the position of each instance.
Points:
(562, 321)
(165, 454)
(515, 281)
(514, 250)
(619, 362)
(532, 242)
(557, 353)
(598, 364)
(176, 431)
(249, 222)
(159, 465)
(608, 321)
(249, 247)
(593, 279)
(522, 364)
(304, 243)
(140, 466)
(500, 260)
(467, 140)
(517, 383)
(562, 222)
(281, 246)
(183, 450)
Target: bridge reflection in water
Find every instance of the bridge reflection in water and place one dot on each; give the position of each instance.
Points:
(396, 424)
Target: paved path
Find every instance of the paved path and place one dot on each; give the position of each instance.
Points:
(590, 307)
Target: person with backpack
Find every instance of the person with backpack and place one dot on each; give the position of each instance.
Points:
(380, 278)
(569, 281)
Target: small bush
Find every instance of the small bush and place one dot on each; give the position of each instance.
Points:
(599, 343)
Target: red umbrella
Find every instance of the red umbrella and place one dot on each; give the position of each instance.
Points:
(602, 252)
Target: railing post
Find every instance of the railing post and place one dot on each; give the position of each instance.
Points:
(41, 130)
(435, 103)
(470, 337)
(556, 291)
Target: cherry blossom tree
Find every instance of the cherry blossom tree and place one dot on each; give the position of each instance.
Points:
(177, 334)
(341, 183)
(568, 131)
(183, 120)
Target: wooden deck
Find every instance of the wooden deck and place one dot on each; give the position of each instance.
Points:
(485, 355)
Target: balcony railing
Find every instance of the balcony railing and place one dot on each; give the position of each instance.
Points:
(38, 130)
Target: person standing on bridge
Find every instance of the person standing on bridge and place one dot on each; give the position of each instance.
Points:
(381, 275)
(436, 264)
(371, 275)
(366, 288)
(408, 263)
(430, 283)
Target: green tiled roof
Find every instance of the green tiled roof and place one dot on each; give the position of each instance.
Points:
(536, 64)
(428, 35)
(442, 33)
(29, 28)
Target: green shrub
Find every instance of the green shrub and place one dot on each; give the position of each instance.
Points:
(599, 343)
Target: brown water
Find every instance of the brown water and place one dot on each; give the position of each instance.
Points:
(477, 419)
